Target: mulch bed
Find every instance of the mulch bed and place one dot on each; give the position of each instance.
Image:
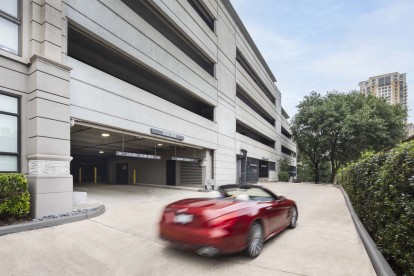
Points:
(10, 221)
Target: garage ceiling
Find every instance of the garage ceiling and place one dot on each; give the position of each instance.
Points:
(89, 141)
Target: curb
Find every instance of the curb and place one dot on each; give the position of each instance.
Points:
(9, 229)
(380, 264)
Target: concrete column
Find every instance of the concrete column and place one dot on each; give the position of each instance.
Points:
(50, 181)
(225, 166)
(177, 173)
(47, 29)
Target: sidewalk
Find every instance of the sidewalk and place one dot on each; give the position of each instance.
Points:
(124, 240)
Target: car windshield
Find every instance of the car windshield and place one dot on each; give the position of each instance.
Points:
(241, 193)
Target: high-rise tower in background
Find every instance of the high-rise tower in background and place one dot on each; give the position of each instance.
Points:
(392, 87)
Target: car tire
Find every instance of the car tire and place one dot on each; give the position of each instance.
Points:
(293, 217)
(255, 240)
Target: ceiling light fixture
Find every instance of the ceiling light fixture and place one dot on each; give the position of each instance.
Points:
(105, 135)
(101, 151)
(159, 144)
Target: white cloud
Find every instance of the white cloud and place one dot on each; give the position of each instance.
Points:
(324, 45)
(273, 46)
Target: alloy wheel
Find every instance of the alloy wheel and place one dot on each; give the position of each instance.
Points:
(255, 241)
(293, 218)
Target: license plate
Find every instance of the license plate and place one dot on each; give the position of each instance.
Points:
(183, 218)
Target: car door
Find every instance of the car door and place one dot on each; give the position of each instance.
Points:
(281, 210)
(274, 213)
(270, 208)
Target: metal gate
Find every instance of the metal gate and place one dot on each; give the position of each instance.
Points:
(190, 173)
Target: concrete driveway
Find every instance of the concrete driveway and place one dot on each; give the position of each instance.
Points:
(124, 241)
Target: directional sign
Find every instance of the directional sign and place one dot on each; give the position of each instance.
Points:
(167, 134)
(137, 155)
(185, 159)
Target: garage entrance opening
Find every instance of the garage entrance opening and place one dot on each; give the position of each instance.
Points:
(105, 155)
(89, 169)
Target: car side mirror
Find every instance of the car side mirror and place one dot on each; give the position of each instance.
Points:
(281, 198)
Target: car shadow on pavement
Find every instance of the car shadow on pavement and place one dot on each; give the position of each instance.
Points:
(220, 260)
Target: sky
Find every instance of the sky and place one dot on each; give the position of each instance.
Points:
(326, 45)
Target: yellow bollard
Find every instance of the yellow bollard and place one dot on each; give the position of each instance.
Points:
(95, 173)
(135, 176)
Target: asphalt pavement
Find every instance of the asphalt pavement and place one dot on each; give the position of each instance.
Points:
(124, 241)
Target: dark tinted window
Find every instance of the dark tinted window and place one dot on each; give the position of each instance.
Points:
(153, 17)
(244, 97)
(253, 134)
(246, 66)
(202, 11)
(100, 55)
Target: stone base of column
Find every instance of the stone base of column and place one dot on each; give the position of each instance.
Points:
(50, 195)
(50, 185)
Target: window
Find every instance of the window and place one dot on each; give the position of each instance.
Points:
(287, 151)
(203, 13)
(244, 97)
(253, 134)
(286, 133)
(246, 66)
(159, 22)
(9, 133)
(10, 21)
(99, 54)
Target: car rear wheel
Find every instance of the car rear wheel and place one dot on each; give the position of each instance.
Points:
(293, 217)
(255, 241)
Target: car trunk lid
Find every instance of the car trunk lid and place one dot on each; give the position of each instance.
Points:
(195, 212)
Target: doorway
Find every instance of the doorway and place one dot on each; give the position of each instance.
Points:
(171, 166)
(122, 173)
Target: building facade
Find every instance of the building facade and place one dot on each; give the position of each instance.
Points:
(410, 129)
(392, 87)
(121, 91)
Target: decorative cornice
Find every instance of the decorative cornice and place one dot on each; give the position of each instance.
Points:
(50, 157)
(50, 61)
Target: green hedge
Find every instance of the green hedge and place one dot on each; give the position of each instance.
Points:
(14, 197)
(383, 197)
(284, 176)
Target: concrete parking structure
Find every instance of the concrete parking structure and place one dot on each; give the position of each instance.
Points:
(124, 240)
(161, 92)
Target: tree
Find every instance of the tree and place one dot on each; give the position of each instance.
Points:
(284, 168)
(284, 165)
(308, 133)
(306, 169)
(338, 126)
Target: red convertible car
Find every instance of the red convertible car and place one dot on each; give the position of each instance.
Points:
(242, 218)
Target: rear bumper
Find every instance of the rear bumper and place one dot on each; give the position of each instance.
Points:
(204, 241)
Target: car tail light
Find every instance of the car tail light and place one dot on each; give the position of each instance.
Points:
(166, 213)
(169, 210)
(224, 222)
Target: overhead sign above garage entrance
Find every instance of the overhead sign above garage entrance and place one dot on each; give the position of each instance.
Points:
(137, 155)
(167, 134)
(185, 159)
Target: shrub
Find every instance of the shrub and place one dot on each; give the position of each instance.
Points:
(284, 176)
(14, 197)
(382, 194)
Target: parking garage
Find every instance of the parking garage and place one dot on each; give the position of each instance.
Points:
(109, 155)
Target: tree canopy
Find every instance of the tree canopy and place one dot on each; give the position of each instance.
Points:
(338, 127)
